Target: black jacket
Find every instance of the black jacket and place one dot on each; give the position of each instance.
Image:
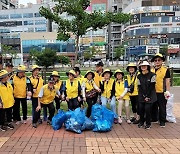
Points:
(146, 87)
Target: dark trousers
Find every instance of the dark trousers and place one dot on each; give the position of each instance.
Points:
(73, 104)
(57, 101)
(51, 110)
(5, 113)
(135, 104)
(16, 109)
(145, 112)
(90, 102)
(34, 106)
(159, 108)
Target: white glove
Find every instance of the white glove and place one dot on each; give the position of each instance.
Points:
(167, 94)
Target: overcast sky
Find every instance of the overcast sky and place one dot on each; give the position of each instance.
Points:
(26, 1)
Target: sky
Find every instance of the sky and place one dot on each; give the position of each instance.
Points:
(27, 1)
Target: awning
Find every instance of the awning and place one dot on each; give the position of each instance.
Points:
(98, 43)
(173, 50)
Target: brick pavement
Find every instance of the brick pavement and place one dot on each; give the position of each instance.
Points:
(122, 139)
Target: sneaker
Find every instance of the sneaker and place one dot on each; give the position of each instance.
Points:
(119, 120)
(147, 126)
(10, 126)
(3, 128)
(136, 121)
(48, 122)
(128, 121)
(24, 121)
(133, 119)
(40, 121)
(115, 120)
(162, 124)
(140, 125)
(34, 125)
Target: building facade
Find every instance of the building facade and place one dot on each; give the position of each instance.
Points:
(151, 28)
(6, 4)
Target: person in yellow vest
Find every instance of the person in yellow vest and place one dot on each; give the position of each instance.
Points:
(122, 96)
(45, 99)
(162, 90)
(107, 87)
(133, 91)
(89, 90)
(37, 84)
(6, 101)
(22, 89)
(72, 91)
(80, 78)
(59, 84)
(98, 77)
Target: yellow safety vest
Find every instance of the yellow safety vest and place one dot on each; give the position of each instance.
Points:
(107, 88)
(119, 89)
(6, 95)
(19, 87)
(97, 79)
(80, 78)
(48, 95)
(130, 81)
(34, 82)
(72, 90)
(160, 79)
(58, 84)
(89, 85)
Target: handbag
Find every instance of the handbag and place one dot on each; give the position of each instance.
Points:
(131, 87)
(91, 93)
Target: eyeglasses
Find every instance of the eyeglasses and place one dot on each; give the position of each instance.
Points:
(157, 60)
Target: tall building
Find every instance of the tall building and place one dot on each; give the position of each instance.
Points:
(152, 27)
(160, 2)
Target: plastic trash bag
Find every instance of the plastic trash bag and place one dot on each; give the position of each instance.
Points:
(58, 120)
(102, 126)
(72, 125)
(75, 120)
(108, 115)
(169, 110)
(88, 124)
(96, 112)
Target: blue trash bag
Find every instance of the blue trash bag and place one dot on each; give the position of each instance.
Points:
(69, 114)
(58, 120)
(72, 125)
(102, 126)
(79, 115)
(96, 112)
(88, 124)
(108, 115)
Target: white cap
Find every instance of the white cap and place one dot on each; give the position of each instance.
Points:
(144, 63)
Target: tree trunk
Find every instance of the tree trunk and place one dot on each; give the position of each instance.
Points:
(76, 50)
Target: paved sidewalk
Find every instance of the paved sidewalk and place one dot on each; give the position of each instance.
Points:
(122, 139)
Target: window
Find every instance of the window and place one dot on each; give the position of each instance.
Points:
(153, 41)
(144, 31)
(176, 19)
(30, 29)
(4, 16)
(153, 30)
(40, 22)
(40, 29)
(14, 16)
(164, 30)
(164, 19)
(29, 22)
(149, 19)
(4, 31)
(28, 15)
(37, 15)
(176, 30)
(165, 7)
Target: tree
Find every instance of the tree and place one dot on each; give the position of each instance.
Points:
(33, 54)
(6, 49)
(164, 50)
(119, 51)
(64, 60)
(81, 21)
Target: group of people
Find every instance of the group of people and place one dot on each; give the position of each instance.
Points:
(145, 86)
